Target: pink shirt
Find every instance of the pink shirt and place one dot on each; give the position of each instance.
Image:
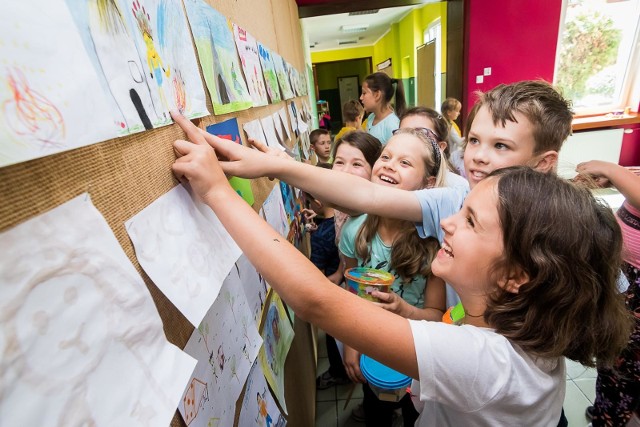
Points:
(629, 220)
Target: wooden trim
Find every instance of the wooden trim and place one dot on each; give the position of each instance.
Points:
(596, 122)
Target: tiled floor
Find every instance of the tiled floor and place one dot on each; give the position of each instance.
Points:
(330, 410)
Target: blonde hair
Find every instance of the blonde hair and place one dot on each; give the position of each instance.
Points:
(410, 254)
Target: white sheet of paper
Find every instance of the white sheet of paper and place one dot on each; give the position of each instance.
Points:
(283, 116)
(273, 212)
(253, 129)
(270, 133)
(81, 340)
(225, 344)
(44, 99)
(250, 60)
(258, 405)
(254, 285)
(184, 249)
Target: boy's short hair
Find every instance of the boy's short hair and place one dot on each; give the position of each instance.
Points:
(547, 110)
(351, 110)
(315, 134)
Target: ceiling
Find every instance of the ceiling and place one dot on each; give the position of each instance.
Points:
(337, 24)
(342, 30)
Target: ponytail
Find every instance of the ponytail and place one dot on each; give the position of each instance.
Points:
(380, 82)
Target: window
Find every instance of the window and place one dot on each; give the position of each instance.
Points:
(598, 54)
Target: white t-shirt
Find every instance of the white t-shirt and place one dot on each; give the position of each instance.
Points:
(472, 376)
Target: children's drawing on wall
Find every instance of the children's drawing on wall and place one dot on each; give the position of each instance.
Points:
(274, 213)
(288, 199)
(184, 249)
(270, 133)
(277, 334)
(259, 409)
(254, 131)
(269, 73)
(218, 58)
(254, 285)
(293, 116)
(43, 102)
(170, 50)
(292, 75)
(280, 130)
(82, 341)
(250, 60)
(285, 122)
(229, 130)
(283, 79)
(226, 343)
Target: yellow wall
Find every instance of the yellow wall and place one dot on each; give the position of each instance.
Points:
(399, 43)
(341, 54)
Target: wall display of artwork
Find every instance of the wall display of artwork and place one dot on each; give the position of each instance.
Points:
(277, 334)
(250, 60)
(269, 73)
(226, 344)
(82, 341)
(184, 249)
(218, 58)
(283, 76)
(259, 409)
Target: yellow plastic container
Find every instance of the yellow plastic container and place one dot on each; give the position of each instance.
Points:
(362, 281)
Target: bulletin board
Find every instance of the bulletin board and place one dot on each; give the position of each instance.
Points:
(126, 174)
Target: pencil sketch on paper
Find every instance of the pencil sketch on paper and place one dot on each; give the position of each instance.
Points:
(250, 60)
(218, 58)
(226, 343)
(83, 343)
(184, 249)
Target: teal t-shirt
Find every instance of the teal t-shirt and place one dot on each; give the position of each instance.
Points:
(412, 292)
(383, 129)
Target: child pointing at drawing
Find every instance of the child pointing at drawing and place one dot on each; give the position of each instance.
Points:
(534, 294)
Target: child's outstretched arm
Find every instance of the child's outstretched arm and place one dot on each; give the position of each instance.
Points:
(358, 323)
(625, 181)
(338, 188)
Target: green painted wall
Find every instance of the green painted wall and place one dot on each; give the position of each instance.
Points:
(327, 73)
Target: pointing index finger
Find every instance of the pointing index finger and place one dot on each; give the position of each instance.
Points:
(189, 128)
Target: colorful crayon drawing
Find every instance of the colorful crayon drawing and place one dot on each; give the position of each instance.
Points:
(283, 77)
(43, 102)
(229, 130)
(145, 58)
(269, 72)
(277, 335)
(259, 409)
(218, 58)
(250, 59)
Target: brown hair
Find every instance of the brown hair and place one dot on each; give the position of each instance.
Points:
(351, 110)
(315, 134)
(449, 104)
(380, 82)
(570, 246)
(546, 109)
(368, 144)
(410, 254)
(440, 124)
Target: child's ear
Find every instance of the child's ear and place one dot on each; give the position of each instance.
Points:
(546, 162)
(443, 145)
(515, 278)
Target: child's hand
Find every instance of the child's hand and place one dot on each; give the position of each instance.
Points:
(309, 214)
(351, 361)
(262, 147)
(197, 163)
(235, 159)
(598, 170)
(390, 301)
